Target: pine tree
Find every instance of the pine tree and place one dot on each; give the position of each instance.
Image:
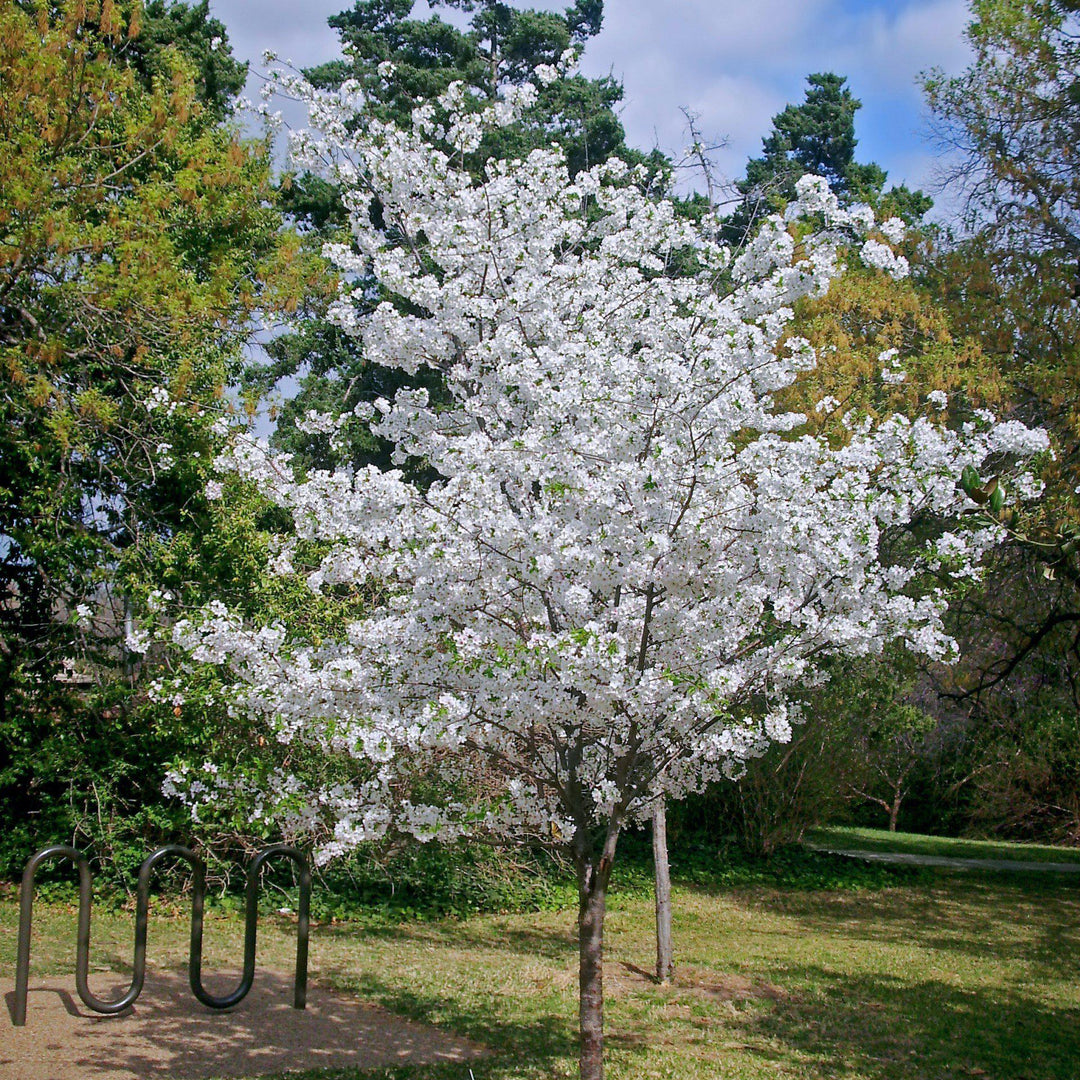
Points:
(816, 137)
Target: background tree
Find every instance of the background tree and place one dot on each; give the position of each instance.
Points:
(889, 732)
(865, 740)
(137, 241)
(816, 137)
(1010, 122)
(502, 45)
(163, 25)
(400, 61)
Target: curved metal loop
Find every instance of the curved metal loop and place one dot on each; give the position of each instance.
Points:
(198, 898)
(198, 892)
(251, 927)
(26, 914)
(82, 947)
(302, 928)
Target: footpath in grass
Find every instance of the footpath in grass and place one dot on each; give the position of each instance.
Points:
(882, 975)
(847, 838)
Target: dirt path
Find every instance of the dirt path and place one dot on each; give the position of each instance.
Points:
(168, 1035)
(1023, 865)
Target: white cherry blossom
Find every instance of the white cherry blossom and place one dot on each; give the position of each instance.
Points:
(628, 561)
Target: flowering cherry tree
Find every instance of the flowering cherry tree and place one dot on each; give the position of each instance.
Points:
(622, 560)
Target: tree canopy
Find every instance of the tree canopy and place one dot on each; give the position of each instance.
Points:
(400, 61)
(138, 240)
(624, 559)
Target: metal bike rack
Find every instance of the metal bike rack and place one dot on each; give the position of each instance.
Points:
(198, 899)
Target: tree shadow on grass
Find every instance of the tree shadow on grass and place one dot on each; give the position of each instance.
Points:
(1001, 919)
(888, 1028)
(542, 1039)
(556, 943)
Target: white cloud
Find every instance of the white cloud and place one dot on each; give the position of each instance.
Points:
(926, 36)
(704, 34)
(738, 64)
(734, 62)
(296, 32)
(888, 49)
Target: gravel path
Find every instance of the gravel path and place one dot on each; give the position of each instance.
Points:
(167, 1035)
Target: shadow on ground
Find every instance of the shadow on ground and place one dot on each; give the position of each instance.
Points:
(168, 1034)
(887, 1028)
(534, 942)
(546, 1036)
(1042, 932)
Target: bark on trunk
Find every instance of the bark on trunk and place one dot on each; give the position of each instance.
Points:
(664, 956)
(593, 877)
(894, 811)
(591, 980)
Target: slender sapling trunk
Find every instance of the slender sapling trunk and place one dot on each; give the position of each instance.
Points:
(664, 956)
(894, 809)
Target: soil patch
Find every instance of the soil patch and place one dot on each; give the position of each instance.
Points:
(169, 1035)
(703, 983)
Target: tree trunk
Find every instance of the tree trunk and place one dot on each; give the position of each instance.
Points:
(664, 962)
(593, 880)
(591, 984)
(894, 810)
(129, 627)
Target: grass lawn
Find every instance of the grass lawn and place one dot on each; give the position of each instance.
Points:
(855, 839)
(936, 975)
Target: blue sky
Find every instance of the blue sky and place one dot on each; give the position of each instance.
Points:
(735, 63)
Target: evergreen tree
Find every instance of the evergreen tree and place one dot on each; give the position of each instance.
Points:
(203, 42)
(400, 61)
(502, 44)
(817, 137)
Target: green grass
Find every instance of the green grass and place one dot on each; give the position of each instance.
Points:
(939, 975)
(855, 839)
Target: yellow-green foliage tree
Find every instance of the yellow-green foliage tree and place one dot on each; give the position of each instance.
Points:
(138, 243)
(867, 313)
